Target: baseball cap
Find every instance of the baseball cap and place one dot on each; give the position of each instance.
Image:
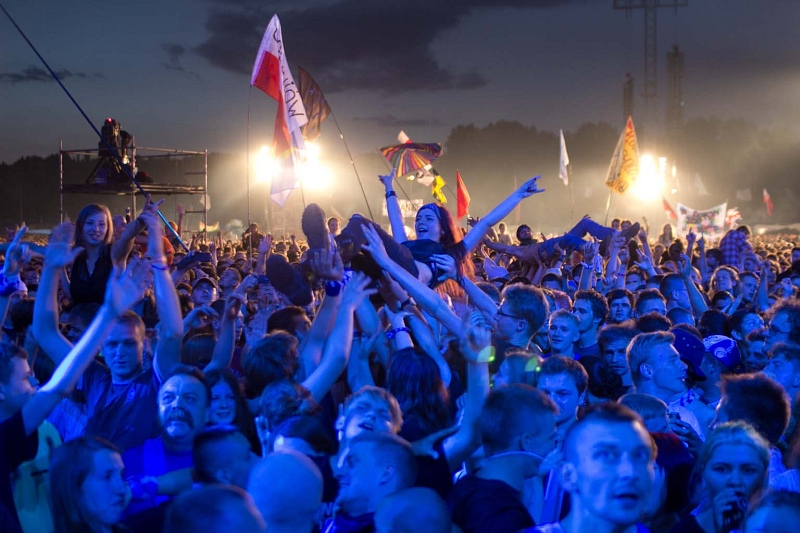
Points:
(691, 350)
(724, 349)
(206, 279)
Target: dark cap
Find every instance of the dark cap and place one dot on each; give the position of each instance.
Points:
(691, 350)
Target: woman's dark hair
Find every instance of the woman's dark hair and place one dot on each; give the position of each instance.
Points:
(80, 222)
(414, 379)
(244, 419)
(310, 429)
(71, 464)
(272, 358)
(197, 348)
(713, 322)
(284, 399)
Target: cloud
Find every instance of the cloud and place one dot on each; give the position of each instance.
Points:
(351, 44)
(390, 121)
(36, 74)
(176, 52)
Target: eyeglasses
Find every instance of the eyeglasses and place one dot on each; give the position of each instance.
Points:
(501, 313)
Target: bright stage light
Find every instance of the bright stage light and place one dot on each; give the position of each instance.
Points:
(650, 183)
(314, 175)
(265, 164)
(311, 153)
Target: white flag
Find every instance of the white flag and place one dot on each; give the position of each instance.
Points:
(562, 169)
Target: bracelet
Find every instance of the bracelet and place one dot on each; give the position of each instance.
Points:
(391, 334)
(332, 288)
(390, 194)
(160, 266)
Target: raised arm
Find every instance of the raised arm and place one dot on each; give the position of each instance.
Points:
(699, 305)
(393, 208)
(123, 290)
(168, 305)
(58, 255)
(476, 235)
(122, 247)
(476, 347)
(226, 343)
(339, 343)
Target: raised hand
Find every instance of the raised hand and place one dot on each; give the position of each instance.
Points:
(356, 290)
(257, 328)
(475, 337)
(644, 262)
(248, 283)
(327, 264)
(685, 266)
(643, 233)
(233, 304)
(265, 246)
(15, 252)
(529, 188)
(701, 243)
(691, 237)
(126, 288)
(387, 180)
(150, 215)
(447, 264)
(374, 245)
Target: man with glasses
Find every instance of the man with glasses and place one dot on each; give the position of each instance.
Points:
(521, 313)
(784, 324)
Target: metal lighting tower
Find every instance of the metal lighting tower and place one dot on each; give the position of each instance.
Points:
(650, 93)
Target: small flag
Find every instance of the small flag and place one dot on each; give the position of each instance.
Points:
(562, 169)
(436, 189)
(768, 202)
(624, 167)
(271, 74)
(462, 197)
(669, 211)
(316, 106)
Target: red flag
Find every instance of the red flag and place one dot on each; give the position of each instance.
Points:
(669, 211)
(462, 197)
(271, 74)
(768, 202)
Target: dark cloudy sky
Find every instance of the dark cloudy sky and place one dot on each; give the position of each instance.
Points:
(176, 73)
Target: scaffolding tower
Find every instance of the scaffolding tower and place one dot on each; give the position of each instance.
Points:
(127, 188)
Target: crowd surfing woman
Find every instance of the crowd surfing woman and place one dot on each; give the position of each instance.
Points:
(438, 241)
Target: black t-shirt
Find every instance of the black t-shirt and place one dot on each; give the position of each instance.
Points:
(16, 449)
(488, 506)
(431, 473)
(90, 288)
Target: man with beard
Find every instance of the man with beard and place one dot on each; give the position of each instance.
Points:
(183, 403)
(608, 471)
(591, 308)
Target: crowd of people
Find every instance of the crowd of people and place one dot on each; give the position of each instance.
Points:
(363, 380)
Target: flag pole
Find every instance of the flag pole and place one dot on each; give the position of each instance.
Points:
(247, 174)
(608, 206)
(353, 164)
(571, 196)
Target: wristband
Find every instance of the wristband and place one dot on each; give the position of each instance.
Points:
(332, 288)
(391, 334)
(390, 194)
(160, 265)
(486, 355)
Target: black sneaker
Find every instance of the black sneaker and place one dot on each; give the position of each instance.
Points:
(631, 232)
(315, 227)
(288, 280)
